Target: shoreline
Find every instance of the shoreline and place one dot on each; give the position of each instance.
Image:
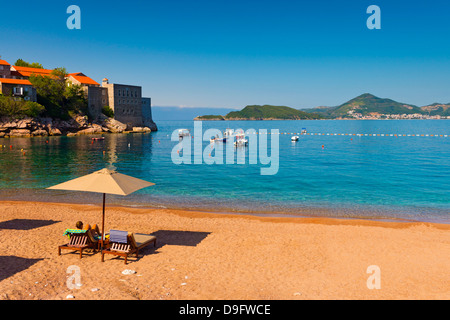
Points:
(342, 213)
(207, 256)
(197, 213)
(360, 212)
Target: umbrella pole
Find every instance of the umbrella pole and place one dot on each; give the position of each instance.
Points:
(103, 220)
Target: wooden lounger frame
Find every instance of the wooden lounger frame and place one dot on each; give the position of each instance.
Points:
(125, 249)
(79, 242)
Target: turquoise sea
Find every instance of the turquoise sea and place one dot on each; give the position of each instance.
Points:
(375, 177)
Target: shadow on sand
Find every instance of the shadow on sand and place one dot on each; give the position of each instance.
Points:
(25, 224)
(10, 265)
(179, 238)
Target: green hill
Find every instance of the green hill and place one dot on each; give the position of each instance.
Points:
(210, 117)
(366, 104)
(437, 109)
(268, 112)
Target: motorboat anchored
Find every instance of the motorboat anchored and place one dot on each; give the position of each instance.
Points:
(183, 132)
(240, 140)
(217, 139)
(294, 138)
(228, 133)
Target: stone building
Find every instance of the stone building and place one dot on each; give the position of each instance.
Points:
(128, 104)
(12, 85)
(18, 88)
(126, 101)
(5, 69)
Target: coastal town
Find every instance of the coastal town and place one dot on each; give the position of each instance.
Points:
(380, 116)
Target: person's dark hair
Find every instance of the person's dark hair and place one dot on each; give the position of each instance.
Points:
(79, 225)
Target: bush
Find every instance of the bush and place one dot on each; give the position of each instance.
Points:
(33, 109)
(107, 111)
(19, 108)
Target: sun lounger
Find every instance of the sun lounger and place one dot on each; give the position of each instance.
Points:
(79, 240)
(123, 243)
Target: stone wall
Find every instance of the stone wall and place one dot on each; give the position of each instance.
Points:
(5, 71)
(97, 99)
(29, 91)
(126, 102)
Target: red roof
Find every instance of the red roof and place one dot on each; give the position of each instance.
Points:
(4, 63)
(83, 79)
(26, 71)
(15, 81)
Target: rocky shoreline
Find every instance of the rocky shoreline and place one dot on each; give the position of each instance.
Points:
(33, 127)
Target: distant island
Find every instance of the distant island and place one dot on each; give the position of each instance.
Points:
(363, 107)
(265, 112)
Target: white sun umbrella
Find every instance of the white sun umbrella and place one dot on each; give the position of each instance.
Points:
(107, 182)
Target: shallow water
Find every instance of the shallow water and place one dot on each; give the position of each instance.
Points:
(376, 177)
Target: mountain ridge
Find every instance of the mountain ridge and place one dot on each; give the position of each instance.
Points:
(364, 106)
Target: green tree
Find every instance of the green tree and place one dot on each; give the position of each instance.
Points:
(107, 111)
(60, 98)
(22, 63)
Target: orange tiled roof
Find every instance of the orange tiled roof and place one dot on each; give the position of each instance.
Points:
(83, 79)
(26, 71)
(15, 81)
(3, 62)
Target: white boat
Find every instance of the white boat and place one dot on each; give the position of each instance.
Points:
(294, 138)
(183, 132)
(217, 139)
(240, 140)
(228, 133)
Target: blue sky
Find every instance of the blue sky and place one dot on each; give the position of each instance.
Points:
(234, 53)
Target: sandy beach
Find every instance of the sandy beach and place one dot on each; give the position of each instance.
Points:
(217, 256)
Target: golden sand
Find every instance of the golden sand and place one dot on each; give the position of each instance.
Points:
(217, 256)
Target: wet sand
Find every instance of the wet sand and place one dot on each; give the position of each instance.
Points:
(219, 256)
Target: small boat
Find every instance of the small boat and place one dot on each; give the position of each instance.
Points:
(101, 138)
(294, 138)
(228, 133)
(183, 132)
(304, 131)
(217, 139)
(240, 140)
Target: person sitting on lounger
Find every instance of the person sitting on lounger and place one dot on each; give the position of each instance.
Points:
(94, 230)
(79, 225)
